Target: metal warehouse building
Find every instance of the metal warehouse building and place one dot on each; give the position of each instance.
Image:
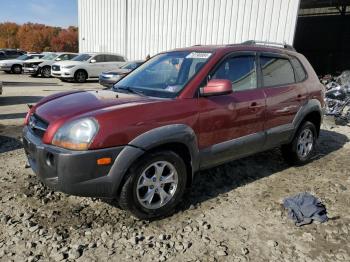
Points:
(136, 28)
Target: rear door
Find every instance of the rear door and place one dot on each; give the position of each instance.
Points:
(113, 62)
(95, 69)
(284, 96)
(232, 126)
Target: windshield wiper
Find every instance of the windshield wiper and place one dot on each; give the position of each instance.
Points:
(129, 89)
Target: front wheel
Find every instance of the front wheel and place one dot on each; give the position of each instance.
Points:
(154, 185)
(302, 148)
(80, 76)
(46, 72)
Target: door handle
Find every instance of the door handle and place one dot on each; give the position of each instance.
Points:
(254, 105)
(300, 97)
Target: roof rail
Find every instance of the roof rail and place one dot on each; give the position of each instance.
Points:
(266, 43)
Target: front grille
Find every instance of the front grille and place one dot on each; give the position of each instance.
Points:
(55, 68)
(28, 65)
(37, 125)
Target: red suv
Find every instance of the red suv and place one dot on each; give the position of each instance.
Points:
(182, 111)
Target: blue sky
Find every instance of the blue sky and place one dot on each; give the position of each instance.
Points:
(61, 13)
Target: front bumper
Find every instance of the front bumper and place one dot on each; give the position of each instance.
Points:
(63, 73)
(68, 171)
(30, 70)
(107, 82)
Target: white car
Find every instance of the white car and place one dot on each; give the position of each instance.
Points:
(15, 65)
(42, 66)
(87, 65)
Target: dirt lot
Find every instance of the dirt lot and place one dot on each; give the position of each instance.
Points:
(233, 213)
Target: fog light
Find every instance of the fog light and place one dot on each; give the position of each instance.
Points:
(50, 160)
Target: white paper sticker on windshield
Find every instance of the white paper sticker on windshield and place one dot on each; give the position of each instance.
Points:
(198, 55)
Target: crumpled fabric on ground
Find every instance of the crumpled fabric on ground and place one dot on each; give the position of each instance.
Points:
(304, 208)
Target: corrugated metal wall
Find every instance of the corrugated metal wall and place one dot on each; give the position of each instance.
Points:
(140, 27)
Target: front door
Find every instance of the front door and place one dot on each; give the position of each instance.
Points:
(232, 126)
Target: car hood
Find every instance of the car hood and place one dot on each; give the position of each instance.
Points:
(69, 62)
(63, 106)
(47, 62)
(118, 71)
(34, 60)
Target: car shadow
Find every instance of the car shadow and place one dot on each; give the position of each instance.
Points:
(29, 83)
(12, 116)
(222, 179)
(16, 100)
(9, 144)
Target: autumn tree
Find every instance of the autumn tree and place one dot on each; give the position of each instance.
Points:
(66, 40)
(38, 37)
(8, 35)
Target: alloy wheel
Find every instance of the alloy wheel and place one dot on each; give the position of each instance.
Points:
(305, 143)
(157, 185)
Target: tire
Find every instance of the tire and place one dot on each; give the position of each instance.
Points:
(7, 72)
(131, 194)
(45, 71)
(302, 148)
(80, 76)
(16, 69)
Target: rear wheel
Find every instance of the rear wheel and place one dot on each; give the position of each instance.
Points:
(16, 69)
(80, 76)
(302, 148)
(46, 72)
(154, 186)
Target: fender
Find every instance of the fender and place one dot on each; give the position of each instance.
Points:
(313, 105)
(175, 133)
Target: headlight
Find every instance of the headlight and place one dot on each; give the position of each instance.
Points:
(68, 67)
(76, 135)
(109, 75)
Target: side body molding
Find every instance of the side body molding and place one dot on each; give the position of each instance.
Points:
(175, 133)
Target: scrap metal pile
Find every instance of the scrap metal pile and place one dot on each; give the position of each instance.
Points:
(337, 97)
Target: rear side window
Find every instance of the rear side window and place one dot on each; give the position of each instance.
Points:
(100, 58)
(299, 70)
(114, 58)
(240, 70)
(276, 71)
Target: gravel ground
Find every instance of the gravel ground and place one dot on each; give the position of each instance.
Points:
(233, 212)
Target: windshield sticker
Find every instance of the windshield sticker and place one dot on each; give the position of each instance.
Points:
(198, 55)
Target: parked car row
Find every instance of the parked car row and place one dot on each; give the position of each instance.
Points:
(107, 67)
(6, 53)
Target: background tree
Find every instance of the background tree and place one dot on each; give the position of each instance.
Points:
(38, 37)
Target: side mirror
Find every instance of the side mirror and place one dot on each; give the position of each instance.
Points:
(58, 59)
(217, 87)
(92, 61)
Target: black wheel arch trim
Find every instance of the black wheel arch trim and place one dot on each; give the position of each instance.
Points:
(312, 105)
(175, 133)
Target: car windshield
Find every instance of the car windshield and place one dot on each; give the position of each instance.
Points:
(49, 57)
(23, 57)
(131, 65)
(165, 75)
(81, 57)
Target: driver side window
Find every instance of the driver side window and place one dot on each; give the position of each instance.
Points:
(240, 70)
